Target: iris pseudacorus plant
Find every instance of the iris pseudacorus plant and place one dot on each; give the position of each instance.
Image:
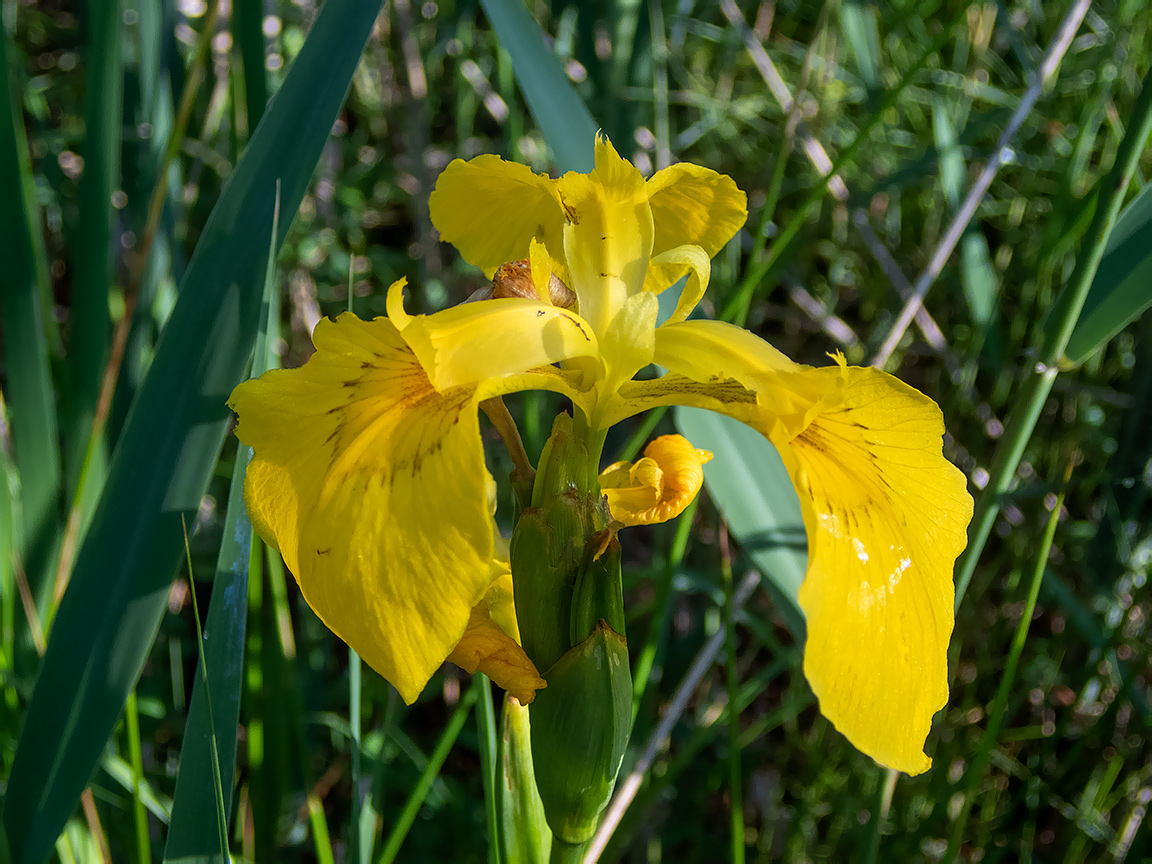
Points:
(369, 475)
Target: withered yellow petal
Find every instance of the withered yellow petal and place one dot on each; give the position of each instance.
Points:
(659, 486)
(693, 206)
(607, 234)
(373, 487)
(490, 645)
(886, 516)
(490, 210)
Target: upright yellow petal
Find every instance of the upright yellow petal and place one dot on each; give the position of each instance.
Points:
(659, 486)
(490, 209)
(886, 516)
(373, 487)
(607, 234)
(694, 206)
(490, 643)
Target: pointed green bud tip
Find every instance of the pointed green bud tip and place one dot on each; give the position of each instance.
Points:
(580, 727)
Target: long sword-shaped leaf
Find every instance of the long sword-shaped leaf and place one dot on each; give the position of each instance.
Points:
(1122, 289)
(752, 489)
(195, 802)
(567, 126)
(110, 613)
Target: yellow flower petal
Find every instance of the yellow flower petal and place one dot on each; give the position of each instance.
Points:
(886, 516)
(490, 209)
(694, 206)
(699, 271)
(607, 234)
(473, 342)
(716, 351)
(659, 486)
(490, 645)
(373, 487)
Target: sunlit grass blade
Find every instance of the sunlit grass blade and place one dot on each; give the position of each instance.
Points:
(858, 24)
(567, 126)
(215, 707)
(1122, 289)
(28, 377)
(109, 615)
(752, 489)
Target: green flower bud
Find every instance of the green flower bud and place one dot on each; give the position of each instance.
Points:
(580, 727)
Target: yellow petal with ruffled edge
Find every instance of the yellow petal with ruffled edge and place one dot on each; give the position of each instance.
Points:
(886, 516)
(659, 486)
(490, 209)
(373, 487)
(490, 643)
(473, 342)
(607, 234)
(693, 206)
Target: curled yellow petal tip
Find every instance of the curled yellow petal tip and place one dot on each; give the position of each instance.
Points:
(490, 645)
(659, 486)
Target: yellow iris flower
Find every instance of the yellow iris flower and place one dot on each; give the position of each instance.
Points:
(368, 472)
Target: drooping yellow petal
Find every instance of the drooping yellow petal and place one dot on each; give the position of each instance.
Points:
(490, 209)
(490, 645)
(886, 516)
(373, 487)
(659, 486)
(885, 513)
(607, 234)
(715, 351)
(694, 206)
(475, 341)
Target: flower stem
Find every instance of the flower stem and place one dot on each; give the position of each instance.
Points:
(566, 853)
(497, 412)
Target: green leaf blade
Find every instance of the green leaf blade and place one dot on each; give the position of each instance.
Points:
(110, 613)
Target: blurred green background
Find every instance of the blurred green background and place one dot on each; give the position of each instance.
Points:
(123, 128)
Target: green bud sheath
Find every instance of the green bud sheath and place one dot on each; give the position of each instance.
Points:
(580, 727)
(526, 836)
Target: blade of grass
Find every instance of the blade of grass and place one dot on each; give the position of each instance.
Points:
(90, 319)
(732, 684)
(23, 294)
(486, 736)
(567, 126)
(1062, 320)
(139, 815)
(204, 784)
(976, 770)
(109, 615)
(1122, 289)
(427, 778)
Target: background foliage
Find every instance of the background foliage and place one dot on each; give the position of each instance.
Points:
(125, 130)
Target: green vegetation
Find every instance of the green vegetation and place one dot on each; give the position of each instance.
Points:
(149, 189)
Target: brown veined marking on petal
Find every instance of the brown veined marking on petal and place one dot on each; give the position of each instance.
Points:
(514, 279)
(570, 214)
